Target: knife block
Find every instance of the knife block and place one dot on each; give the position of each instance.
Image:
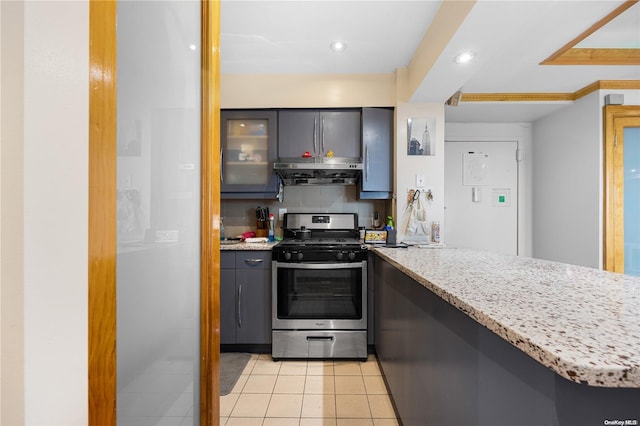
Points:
(262, 230)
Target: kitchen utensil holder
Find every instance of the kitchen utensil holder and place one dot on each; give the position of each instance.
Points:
(262, 229)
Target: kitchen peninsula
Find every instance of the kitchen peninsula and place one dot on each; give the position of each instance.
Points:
(476, 338)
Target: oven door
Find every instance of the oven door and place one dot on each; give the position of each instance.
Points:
(319, 296)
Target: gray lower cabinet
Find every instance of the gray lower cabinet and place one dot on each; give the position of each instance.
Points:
(444, 368)
(245, 297)
(377, 153)
(228, 298)
(318, 132)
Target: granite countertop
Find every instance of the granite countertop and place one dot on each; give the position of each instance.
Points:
(582, 323)
(247, 246)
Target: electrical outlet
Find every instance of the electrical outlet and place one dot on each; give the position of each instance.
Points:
(420, 181)
(281, 213)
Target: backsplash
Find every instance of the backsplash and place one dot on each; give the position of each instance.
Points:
(240, 215)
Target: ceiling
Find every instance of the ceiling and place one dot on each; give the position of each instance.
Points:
(509, 38)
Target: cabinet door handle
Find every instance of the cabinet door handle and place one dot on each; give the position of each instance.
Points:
(315, 135)
(366, 160)
(239, 311)
(322, 136)
(253, 261)
(221, 166)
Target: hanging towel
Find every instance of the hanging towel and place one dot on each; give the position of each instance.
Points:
(417, 223)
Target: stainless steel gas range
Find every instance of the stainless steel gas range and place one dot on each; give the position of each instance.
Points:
(319, 288)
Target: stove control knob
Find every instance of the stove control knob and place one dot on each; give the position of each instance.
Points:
(299, 256)
(352, 255)
(287, 255)
(340, 255)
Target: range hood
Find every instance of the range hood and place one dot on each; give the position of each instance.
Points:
(319, 170)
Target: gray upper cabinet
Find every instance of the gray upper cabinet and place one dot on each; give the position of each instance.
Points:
(298, 132)
(318, 132)
(377, 153)
(248, 141)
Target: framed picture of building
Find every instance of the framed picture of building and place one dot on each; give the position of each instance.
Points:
(420, 136)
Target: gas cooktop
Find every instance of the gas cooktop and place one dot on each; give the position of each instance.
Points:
(319, 242)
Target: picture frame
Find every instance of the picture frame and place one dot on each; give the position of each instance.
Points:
(375, 236)
(421, 136)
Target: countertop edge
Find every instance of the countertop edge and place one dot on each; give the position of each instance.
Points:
(244, 246)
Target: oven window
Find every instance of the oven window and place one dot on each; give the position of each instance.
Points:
(319, 293)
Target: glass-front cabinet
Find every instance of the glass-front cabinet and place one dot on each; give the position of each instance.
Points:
(248, 151)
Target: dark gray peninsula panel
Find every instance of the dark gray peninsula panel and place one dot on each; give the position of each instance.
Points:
(443, 367)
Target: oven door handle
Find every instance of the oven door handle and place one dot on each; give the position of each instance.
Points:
(348, 265)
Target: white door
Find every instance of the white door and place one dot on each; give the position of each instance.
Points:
(481, 195)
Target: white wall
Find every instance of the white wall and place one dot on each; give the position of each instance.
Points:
(307, 91)
(408, 166)
(11, 214)
(522, 133)
(567, 176)
(566, 184)
(56, 71)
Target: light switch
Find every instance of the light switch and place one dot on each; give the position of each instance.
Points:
(475, 194)
(420, 181)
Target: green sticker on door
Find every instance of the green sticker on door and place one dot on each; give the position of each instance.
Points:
(501, 197)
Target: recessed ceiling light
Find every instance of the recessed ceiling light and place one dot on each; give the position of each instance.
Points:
(192, 47)
(337, 46)
(465, 57)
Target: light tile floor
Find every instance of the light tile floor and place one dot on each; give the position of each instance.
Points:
(308, 393)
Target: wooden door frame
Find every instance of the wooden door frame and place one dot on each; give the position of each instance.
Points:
(616, 117)
(102, 213)
(102, 248)
(210, 216)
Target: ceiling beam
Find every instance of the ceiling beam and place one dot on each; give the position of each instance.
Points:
(445, 24)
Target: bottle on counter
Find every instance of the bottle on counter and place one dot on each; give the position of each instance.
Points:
(222, 237)
(272, 228)
(389, 224)
(435, 232)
